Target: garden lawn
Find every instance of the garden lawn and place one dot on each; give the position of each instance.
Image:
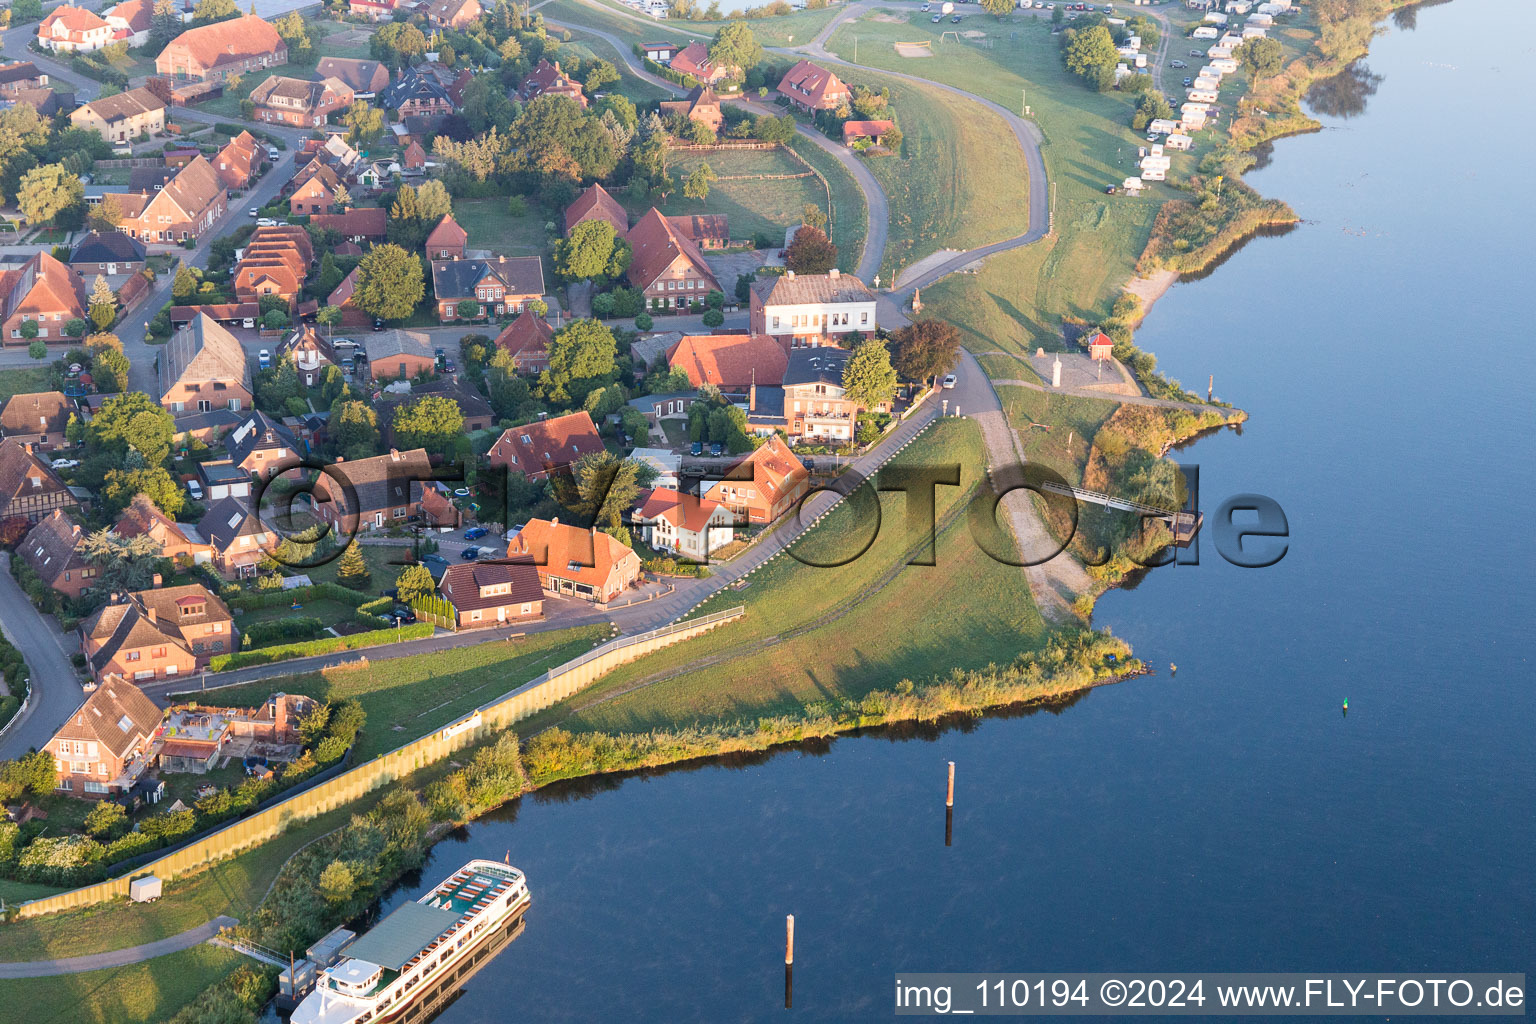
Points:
(409, 697)
(24, 381)
(382, 563)
(752, 206)
(228, 104)
(150, 991)
(491, 225)
(329, 612)
(849, 223)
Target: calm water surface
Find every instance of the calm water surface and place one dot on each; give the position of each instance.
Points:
(1227, 818)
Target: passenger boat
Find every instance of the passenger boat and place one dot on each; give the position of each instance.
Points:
(407, 963)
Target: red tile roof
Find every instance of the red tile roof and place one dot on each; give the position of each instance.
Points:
(867, 129)
(596, 202)
(539, 448)
(729, 361)
(529, 333)
(813, 85)
(685, 511)
(574, 553)
(447, 234)
(657, 244)
(371, 223)
(225, 42)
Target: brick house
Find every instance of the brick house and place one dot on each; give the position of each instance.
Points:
(452, 13)
(527, 339)
(363, 77)
(548, 80)
(398, 355)
(683, 524)
(28, 486)
(545, 447)
(418, 92)
(576, 562)
(142, 519)
(595, 202)
(701, 105)
(107, 252)
(105, 746)
(300, 103)
(240, 161)
(311, 353)
(214, 52)
(694, 60)
(365, 224)
(316, 193)
(260, 444)
(188, 205)
(372, 493)
(493, 593)
(501, 285)
(37, 419)
(373, 10)
(236, 536)
(343, 297)
(875, 131)
(42, 290)
(447, 240)
(203, 367)
(801, 310)
(274, 261)
(812, 87)
(815, 405)
(131, 21)
(666, 266)
(762, 485)
(52, 549)
(156, 634)
(21, 78)
(705, 230)
(69, 29)
(731, 362)
(124, 117)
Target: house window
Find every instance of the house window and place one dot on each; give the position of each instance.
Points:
(133, 656)
(94, 787)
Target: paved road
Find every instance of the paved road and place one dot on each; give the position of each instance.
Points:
(56, 691)
(118, 957)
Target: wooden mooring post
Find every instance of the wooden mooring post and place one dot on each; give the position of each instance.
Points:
(789, 961)
(949, 808)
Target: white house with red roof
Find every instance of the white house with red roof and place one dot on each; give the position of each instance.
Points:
(812, 87)
(683, 524)
(73, 30)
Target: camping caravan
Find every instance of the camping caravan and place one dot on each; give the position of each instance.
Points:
(1215, 18)
(1226, 65)
(1162, 126)
(1179, 141)
(1206, 32)
(1254, 32)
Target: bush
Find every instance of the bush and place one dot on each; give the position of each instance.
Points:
(643, 322)
(329, 645)
(296, 628)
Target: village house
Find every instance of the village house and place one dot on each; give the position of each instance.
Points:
(666, 266)
(28, 486)
(670, 406)
(236, 536)
(701, 105)
(315, 190)
(122, 118)
(527, 339)
(874, 131)
(763, 484)
(203, 367)
(131, 21)
(208, 427)
(195, 736)
(376, 10)
(240, 161)
(815, 402)
(52, 549)
(105, 746)
(37, 419)
(260, 445)
(545, 447)
(272, 268)
(811, 87)
(705, 230)
(595, 202)
(418, 92)
(500, 285)
(221, 478)
(300, 103)
(452, 13)
(548, 80)
(188, 205)
(19, 78)
(344, 298)
(42, 290)
(107, 252)
(800, 310)
(212, 53)
(156, 634)
(576, 562)
(731, 362)
(311, 353)
(398, 355)
(447, 240)
(694, 60)
(477, 412)
(177, 541)
(493, 593)
(363, 224)
(363, 77)
(373, 493)
(683, 524)
(69, 29)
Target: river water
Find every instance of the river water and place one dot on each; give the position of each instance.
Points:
(1229, 817)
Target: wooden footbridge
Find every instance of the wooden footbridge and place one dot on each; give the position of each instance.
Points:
(1183, 523)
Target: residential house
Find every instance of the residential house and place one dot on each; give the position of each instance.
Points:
(52, 549)
(762, 485)
(46, 102)
(300, 103)
(237, 536)
(811, 87)
(69, 29)
(875, 131)
(398, 355)
(701, 105)
(447, 240)
(501, 285)
(105, 746)
(274, 261)
(377, 10)
(683, 524)
(694, 60)
(661, 53)
(177, 541)
(188, 205)
(664, 462)
(666, 266)
(221, 478)
(576, 562)
(124, 117)
(208, 427)
(156, 634)
(670, 406)
(418, 93)
(363, 77)
(527, 339)
(477, 412)
(801, 310)
(363, 224)
(212, 53)
(343, 297)
(107, 252)
(240, 161)
(548, 80)
(731, 362)
(452, 13)
(373, 493)
(316, 192)
(262, 446)
(131, 21)
(493, 593)
(28, 486)
(37, 419)
(705, 230)
(21, 77)
(414, 158)
(42, 290)
(540, 449)
(596, 203)
(311, 353)
(203, 367)
(816, 405)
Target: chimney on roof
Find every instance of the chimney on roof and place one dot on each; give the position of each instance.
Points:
(555, 521)
(789, 274)
(150, 611)
(156, 582)
(832, 273)
(752, 398)
(394, 455)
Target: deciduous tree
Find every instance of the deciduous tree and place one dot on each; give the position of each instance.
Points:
(868, 376)
(925, 349)
(432, 422)
(810, 252)
(390, 282)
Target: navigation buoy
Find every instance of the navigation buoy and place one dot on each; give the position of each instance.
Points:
(1172, 668)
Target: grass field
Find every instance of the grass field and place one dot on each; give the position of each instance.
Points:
(491, 225)
(408, 697)
(787, 30)
(630, 84)
(814, 632)
(228, 104)
(379, 558)
(752, 206)
(149, 991)
(24, 381)
(849, 211)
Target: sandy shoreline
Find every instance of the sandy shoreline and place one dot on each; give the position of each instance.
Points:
(1150, 289)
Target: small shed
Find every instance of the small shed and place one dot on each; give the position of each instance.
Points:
(661, 53)
(142, 890)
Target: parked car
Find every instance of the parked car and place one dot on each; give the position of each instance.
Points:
(716, 448)
(252, 212)
(266, 222)
(195, 489)
(436, 563)
(1197, 53)
(378, 325)
(927, 7)
(249, 323)
(936, 18)
(264, 359)
(1188, 82)
(1177, 64)
(448, 365)
(475, 533)
(441, 355)
(955, 20)
(949, 380)
(697, 449)
(402, 614)
(469, 554)
(65, 463)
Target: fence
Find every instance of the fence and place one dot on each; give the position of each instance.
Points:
(529, 699)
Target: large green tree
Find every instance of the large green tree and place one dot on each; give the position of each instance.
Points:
(868, 376)
(1261, 58)
(810, 252)
(354, 430)
(606, 486)
(593, 250)
(122, 485)
(48, 191)
(133, 421)
(432, 422)
(1091, 55)
(390, 283)
(736, 48)
(925, 349)
(122, 563)
(583, 350)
